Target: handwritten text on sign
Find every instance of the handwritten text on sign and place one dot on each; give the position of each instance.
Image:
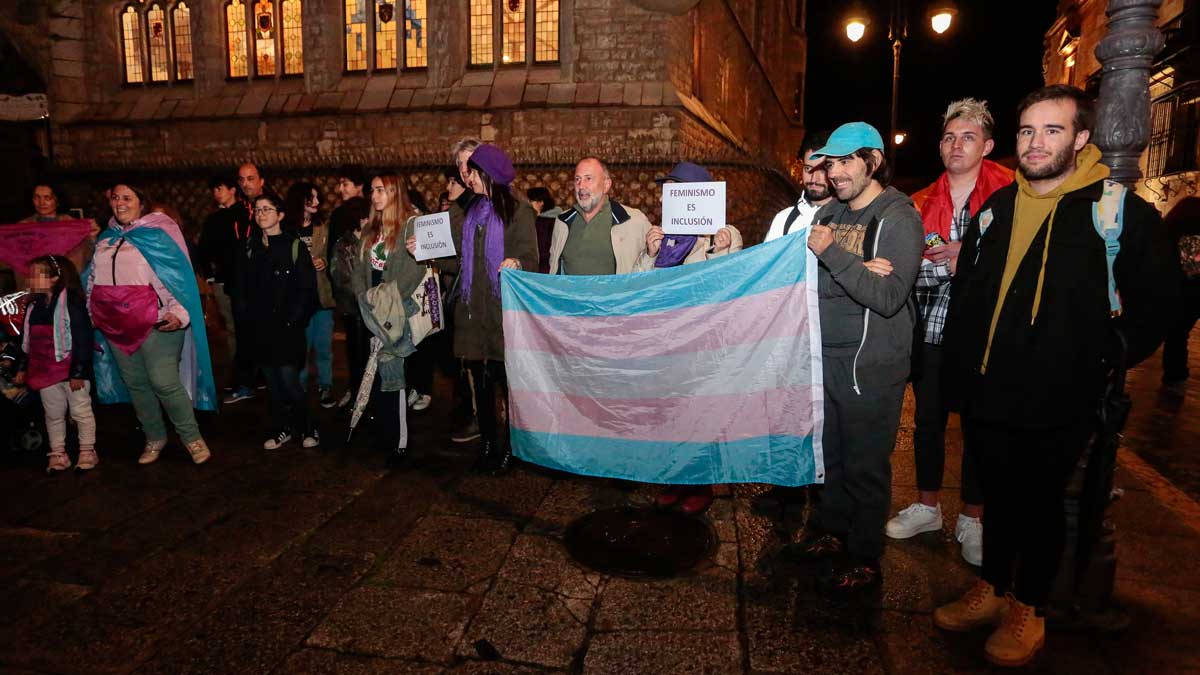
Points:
(433, 236)
(693, 208)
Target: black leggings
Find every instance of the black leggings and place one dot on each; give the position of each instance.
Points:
(491, 400)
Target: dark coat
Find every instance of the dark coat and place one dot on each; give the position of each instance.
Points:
(222, 238)
(1051, 372)
(478, 320)
(274, 296)
(41, 313)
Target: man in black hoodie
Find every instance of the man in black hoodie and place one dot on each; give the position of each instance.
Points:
(869, 243)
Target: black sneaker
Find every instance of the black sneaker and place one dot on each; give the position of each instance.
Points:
(327, 399)
(812, 549)
(856, 578)
(278, 440)
(468, 432)
(778, 497)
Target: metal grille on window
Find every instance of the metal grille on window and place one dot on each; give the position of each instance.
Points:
(356, 34)
(416, 34)
(545, 33)
(385, 34)
(156, 21)
(293, 38)
(181, 32)
(481, 32)
(514, 32)
(131, 42)
(235, 37)
(264, 37)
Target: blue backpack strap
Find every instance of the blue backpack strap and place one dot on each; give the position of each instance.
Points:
(1108, 217)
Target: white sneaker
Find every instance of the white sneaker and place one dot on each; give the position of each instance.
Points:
(312, 439)
(914, 520)
(413, 395)
(422, 402)
(969, 532)
(277, 441)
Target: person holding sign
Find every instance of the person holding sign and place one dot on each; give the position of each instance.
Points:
(663, 250)
(496, 232)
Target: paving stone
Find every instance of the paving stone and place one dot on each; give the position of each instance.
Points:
(1156, 559)
(1161, 637)
(544, 563)
(569, 500)
(377, 519)
(269, 616)
(704, 602)
(448, 553)
(28, 602)
(325, 662)
(526, 624)
(100, 508)
(663, 653)
(515, 496)
(21, 547)
(396, 622)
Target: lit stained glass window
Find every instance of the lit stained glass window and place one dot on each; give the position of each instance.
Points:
(156, 21)
(293, 38)
(416, 34)
(235, 38)
(385, 34)
(481, 32)
(514, 32)
(545, 45)
(264, 38)
(356, 35)
(131, 44)
(181, 31)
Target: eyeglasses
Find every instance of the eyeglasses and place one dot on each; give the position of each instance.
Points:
(265, 209)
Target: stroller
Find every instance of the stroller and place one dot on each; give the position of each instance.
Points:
(22, 425)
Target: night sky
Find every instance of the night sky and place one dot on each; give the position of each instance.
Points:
(992, 51)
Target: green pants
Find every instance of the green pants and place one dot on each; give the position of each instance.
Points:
(152, 376)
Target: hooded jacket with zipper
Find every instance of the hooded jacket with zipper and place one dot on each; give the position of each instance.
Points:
(1037, 357)
(864, 316)
(275, 293)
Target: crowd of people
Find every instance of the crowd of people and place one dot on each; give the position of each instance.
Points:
(998, 294)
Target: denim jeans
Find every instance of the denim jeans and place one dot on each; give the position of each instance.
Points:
(319, 336)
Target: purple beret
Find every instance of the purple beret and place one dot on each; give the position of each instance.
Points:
(494, 163)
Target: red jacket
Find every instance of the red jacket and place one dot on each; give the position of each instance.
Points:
(937, 208)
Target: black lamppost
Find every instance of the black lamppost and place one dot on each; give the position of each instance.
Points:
(940, 13)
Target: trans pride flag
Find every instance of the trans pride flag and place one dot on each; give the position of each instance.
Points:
(698, 374)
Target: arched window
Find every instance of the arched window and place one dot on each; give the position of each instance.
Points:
(151, 45)
(273, 29)
(509, 31)
(181, 32)
(131, 44)
(388, 35)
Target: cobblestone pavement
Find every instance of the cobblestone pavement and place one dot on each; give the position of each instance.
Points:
(326, 561)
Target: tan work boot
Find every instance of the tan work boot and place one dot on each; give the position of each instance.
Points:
(979, 607)
(1019, 637)
(198, 449)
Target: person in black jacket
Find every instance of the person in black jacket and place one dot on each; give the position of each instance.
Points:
(276, 295)
(1030, 342)
(58, 340)
(224, 234)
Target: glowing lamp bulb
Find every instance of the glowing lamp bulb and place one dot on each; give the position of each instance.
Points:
(941, 22)
(855, 29)
(899, 137)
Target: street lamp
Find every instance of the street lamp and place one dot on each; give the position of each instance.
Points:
(941, 14)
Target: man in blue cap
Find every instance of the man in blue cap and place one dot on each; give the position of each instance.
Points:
(869, 242)
(669, 251)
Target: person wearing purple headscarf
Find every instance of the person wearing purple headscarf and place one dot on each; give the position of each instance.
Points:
(492, 233)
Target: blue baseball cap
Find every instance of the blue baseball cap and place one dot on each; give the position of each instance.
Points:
(686, 172)
(848, 138)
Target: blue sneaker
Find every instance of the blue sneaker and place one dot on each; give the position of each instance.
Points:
(239, 394)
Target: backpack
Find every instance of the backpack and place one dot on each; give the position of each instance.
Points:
(1108, 217)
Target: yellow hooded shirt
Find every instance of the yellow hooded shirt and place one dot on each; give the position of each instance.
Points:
(1033, 209)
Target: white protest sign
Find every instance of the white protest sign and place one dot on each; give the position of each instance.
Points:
(433, 236)
(693, 208)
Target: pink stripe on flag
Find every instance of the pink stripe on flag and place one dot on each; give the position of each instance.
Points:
(690, 329)
(725, 417)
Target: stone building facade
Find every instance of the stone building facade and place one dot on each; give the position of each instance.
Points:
(639, 83)
(1171, 164)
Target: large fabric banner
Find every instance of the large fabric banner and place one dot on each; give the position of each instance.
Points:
(699, 374)
(22, 242)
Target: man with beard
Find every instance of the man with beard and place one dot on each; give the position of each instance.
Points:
(1031, 339)
(598, 235)
(869, 244)
(946, 207)
(816, 191)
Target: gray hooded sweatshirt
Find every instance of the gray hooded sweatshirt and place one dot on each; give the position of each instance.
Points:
(864, 316)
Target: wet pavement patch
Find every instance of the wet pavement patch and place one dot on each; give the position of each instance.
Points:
(638, 542)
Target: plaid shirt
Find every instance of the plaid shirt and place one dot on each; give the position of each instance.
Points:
(933, 284)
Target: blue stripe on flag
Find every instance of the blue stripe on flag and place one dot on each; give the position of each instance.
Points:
(718, 280)
(778, 460)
